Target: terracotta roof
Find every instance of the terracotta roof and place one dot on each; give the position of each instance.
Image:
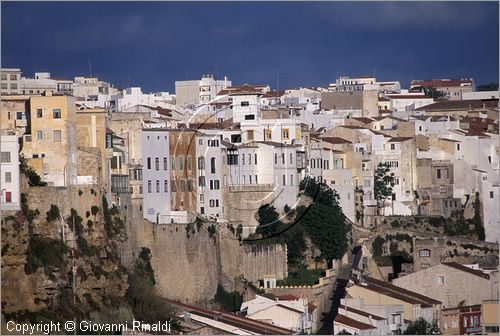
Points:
(441, 82)
(335, 140)
(364, 120)
(400, 139)
(361, 312)
(310, 307)
(287, 297)
(273, 94)
(276, 144)
(400, 293)
(467, 269)
(353, 127)
(459, 104)
(234, 320)
(244, 89)
(383, 99)
(353, 323)
(403, 96)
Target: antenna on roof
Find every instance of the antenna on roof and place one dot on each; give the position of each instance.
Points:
(90, 68)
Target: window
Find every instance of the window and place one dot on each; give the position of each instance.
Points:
(250, 135)
(249, 159)
(4, 77)
(438, 173)
(236, 138)
(183, 185)
(39, 113)
(173, 186)
(291, 158)
(393, 146)
(242, 159)
(4, 86)
(202, 210)
(214, 185)
(396, 181)
(285, 134)
(458, 146)
(19, 115)
(275, 158)
(291, 180)
(201, 181)
(424, 253)
(149, 187)
(245, 103)
(39, 135)
(232, 159)
(181, 163)
(13, 77)
(189, 163)
(157, 186)
(491, 194)
(256, 180)
(8, 197)
(283, 158)
(173, 163)
(8, 177)
(5, 157)
(212, 165)
(420, 128)
(250, 117)
(165, 185)
(200, 142)
(56, 113)
(190, 185)
(56, 135)
(13, 86)
(201, 162)
(249, 179)
(284, 180)
(202, 198)
(149, 163)
(211, 203)
(213, 143)
(255, 158)
(268, 134)
(440, 280)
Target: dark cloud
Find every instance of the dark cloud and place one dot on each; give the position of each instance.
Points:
(302, 43)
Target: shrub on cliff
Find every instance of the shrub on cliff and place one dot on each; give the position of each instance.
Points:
(44, 252)
(53, 213)
(34, 179)
(228, 301)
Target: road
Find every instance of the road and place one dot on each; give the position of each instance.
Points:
(339, 292)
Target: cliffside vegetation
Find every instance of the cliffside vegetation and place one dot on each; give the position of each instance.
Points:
(323, 222)
(228, 301)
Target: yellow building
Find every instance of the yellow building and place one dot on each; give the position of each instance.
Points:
(489, 312)
(50, 144)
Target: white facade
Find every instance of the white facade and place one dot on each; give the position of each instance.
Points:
(10, 81)
(480, 95)
(290, 314)
(10, 173)
(134, 96)
(209, 165)
(156, 176)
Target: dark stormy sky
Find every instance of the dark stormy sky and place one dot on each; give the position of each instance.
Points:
(152, 44)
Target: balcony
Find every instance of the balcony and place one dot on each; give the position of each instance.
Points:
(119, 184)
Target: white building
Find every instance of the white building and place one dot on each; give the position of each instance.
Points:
(10, 81)
(156, 175)
(134, 96)
(345, 83)
(90, 87)
(10, 173)
(43, 82)
(284, 311)
(407, 101)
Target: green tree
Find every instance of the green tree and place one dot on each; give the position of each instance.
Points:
(430, 91)
(34, 179)
(269, 220)
(383, 184)
(488, 87)
(421, 327)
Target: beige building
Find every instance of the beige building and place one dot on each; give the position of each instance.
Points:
(452, 283)
(50, 144)
(14, 114)
(376, 292)
(365, 101)
(91, 127)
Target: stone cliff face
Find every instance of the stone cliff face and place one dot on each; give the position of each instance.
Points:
(190, 261)
(37, 264)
